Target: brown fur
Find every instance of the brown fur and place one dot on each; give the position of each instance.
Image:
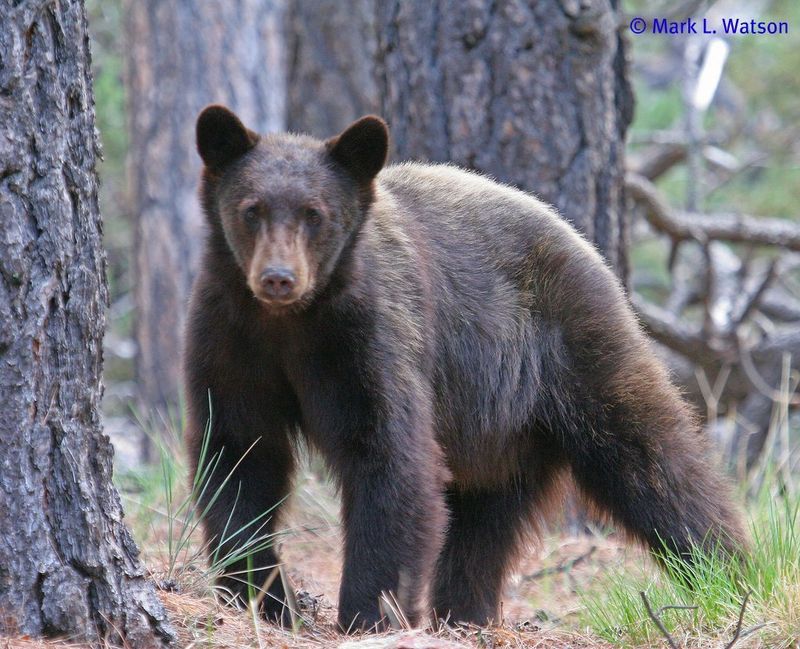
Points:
(454, 349)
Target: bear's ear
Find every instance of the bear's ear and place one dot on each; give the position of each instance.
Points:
(221, 137)
(361, 149)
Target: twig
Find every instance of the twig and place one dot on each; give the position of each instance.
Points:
(657, 621)
(735, 638)
(563, 566)
(671, 331)
(753, 300)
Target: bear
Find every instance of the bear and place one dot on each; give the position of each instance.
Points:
(453, 349)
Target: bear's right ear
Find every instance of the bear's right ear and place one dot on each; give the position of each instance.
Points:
(361, 148)
(221, 137)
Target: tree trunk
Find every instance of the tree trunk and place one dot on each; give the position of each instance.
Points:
(68, 565)
(533, 93)
(331, 70)
(182, 55)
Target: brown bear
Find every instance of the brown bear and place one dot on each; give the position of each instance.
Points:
(450, 346)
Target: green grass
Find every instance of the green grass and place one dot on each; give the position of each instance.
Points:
(168, 509)
(615, 611)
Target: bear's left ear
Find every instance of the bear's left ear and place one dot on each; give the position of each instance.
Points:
(361, 148)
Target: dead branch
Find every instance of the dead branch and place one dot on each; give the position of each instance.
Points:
(657, 621)
(779, 304)
(657, 161)
(753, 298)
(564, 565)
(688, 341)
(656, 618)
(738, 631)
(682, 226)
(669, 330)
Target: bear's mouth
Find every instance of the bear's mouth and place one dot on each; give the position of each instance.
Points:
(297, 301)
(276, 303)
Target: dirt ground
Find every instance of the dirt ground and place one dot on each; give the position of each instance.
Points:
(542, 590)
(540, 605)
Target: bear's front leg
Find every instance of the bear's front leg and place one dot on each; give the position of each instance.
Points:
(394, 518)
(367, 407)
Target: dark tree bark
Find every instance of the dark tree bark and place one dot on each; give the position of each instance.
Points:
(531, 92)
(182, 55)
(332, 64)
(68, 565)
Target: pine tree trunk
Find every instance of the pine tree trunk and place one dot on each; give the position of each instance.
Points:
(68, 565)
(182, 55)
(531, 92)
(331, 70)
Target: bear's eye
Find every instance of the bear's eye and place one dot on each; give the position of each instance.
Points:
(250, 215)
(313, 216)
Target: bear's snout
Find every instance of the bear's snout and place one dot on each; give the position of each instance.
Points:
(278, 283)
(279, 272)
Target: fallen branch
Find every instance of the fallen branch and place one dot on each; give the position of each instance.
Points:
(563, 566)
(671, 331)
(657, 621)
(739, 623)
(683, 226)
(752, 299)
(739, 634)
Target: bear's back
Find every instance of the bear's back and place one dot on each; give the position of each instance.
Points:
(451, 204)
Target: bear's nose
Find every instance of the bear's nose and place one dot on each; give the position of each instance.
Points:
(277, 282)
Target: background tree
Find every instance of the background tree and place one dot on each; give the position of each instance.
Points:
(68, 565)
(180, 56)
(331, 71)
(532, 93)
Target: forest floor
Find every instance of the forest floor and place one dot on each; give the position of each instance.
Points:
(540, 608)
(543, 605)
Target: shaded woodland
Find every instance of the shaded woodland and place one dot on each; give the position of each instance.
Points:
(670, 155)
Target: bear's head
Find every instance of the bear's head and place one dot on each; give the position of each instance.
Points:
(288, 205)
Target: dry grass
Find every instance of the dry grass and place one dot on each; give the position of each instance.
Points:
(543, 604)
(540, 607)
(206, 623)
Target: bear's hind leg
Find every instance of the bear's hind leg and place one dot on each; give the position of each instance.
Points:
(652, 472)
(486, 531)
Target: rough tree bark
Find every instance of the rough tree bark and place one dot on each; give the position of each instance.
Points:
(531, 92)
(331, 67)
(68, 565)
(182, 55)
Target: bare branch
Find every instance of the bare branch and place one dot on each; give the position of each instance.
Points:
(739, 623)
(657, 161)
(753, 298)
(669, 330)
(779, 304)
(563, 566)
(657, 621)
(702, 227)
